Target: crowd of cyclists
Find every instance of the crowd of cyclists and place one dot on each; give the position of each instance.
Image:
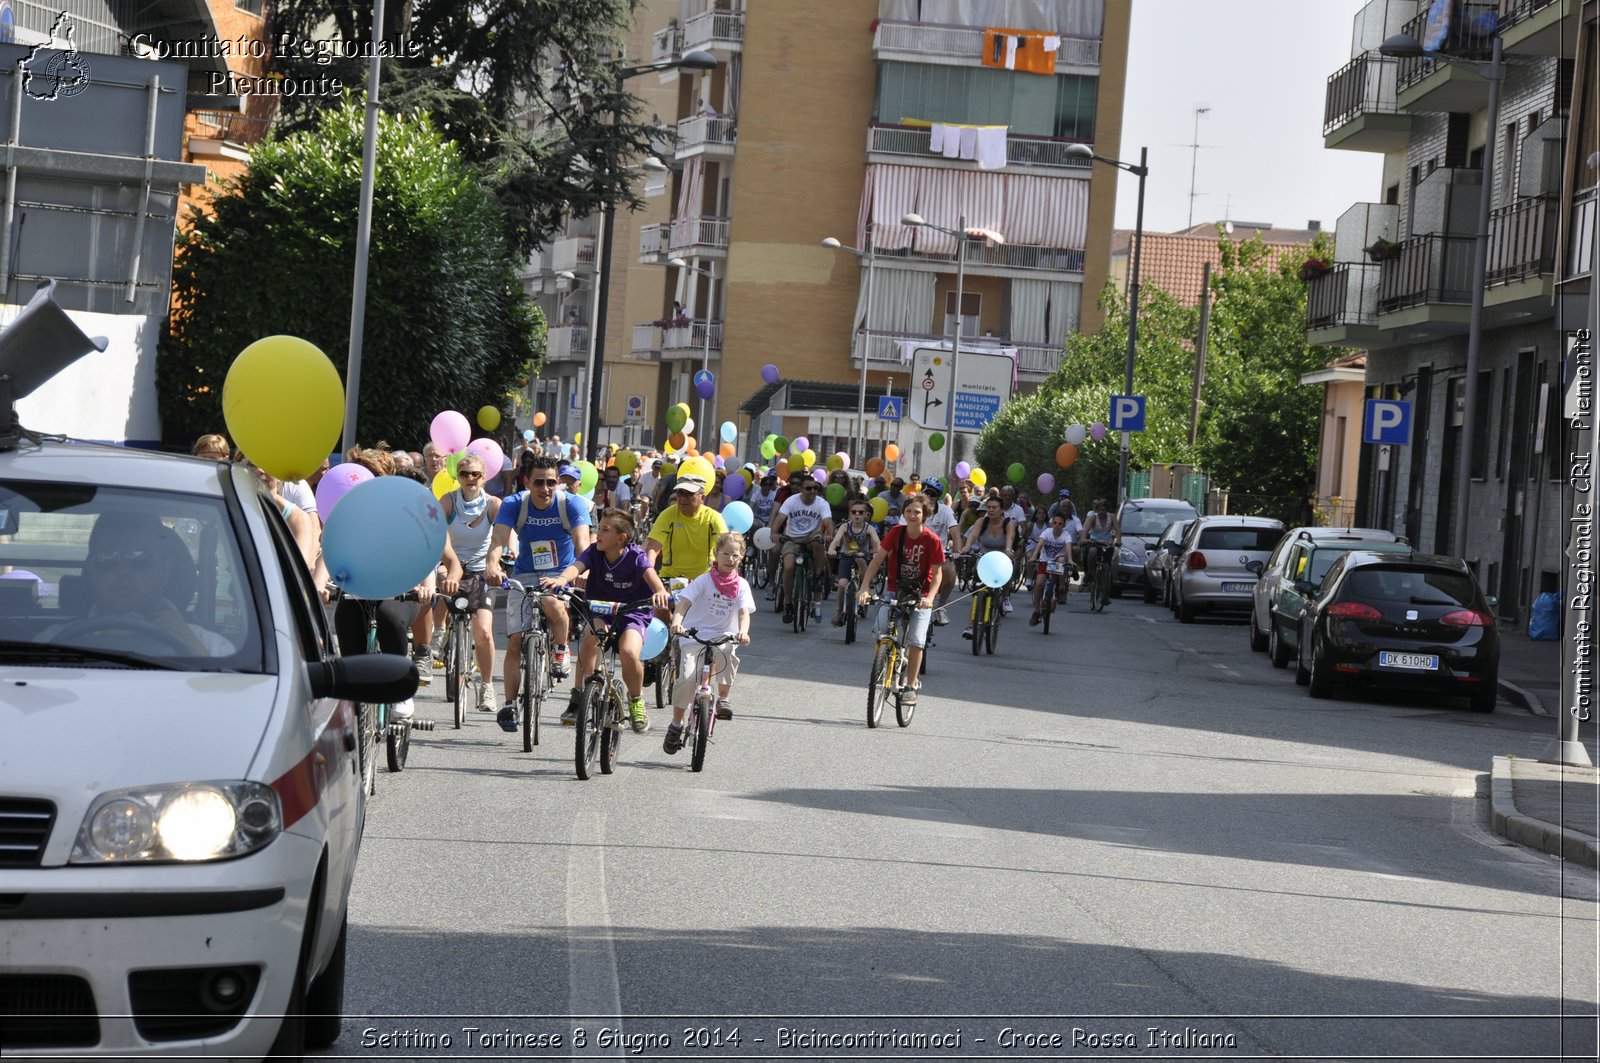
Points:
(649, 528)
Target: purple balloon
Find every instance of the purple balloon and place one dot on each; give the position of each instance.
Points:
(1097, 431)
(1047, 483)
(800, 445)
(769, 373)
(733, 487)
(336, 483)
(963, 469)
(705, 387)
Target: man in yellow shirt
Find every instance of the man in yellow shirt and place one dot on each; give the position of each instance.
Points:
(683, 538)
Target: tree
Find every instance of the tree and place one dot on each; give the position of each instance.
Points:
(525, 89)
(447, 324)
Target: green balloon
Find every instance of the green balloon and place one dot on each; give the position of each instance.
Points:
(768, 451)
(675, 419)
(780, 444)
(588, 476)
(834, 494)
(1015, 472)
(936, 441)
(452, 461)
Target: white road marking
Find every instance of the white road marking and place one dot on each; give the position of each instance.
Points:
(591, 951)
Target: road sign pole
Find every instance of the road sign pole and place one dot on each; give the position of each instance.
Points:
(866, 352)
(955, 348)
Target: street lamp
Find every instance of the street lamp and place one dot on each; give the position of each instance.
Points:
(1405, 46)
(709, 272)
(695, 60)
(1141, 171)
(866, 327)
(916, 220)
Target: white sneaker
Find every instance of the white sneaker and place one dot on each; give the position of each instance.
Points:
(402, 710)
(487, 702)
(940, 617)
(1005, 605)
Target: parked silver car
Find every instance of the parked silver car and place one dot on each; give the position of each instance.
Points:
(1158, 563)
(1294, 574)
(1213, 570)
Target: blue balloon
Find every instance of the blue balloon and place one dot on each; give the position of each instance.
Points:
(738, 516)
(655, 639)
(384, 538)
(994, 569)
(730, 432)
(527, 433)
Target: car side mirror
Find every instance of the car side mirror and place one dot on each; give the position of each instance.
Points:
(369, 677)
(1492, 602)
(1255, 566)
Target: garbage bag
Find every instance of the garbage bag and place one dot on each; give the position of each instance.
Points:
(1544, 620)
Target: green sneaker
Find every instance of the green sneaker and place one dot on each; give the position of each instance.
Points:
(640, 718)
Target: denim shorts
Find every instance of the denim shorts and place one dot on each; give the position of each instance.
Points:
(916, 630)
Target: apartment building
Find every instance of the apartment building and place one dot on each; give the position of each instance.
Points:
(832, 118)
(1403, 277)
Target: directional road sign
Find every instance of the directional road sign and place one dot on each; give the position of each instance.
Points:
(984, 386)
(889, 408)
(1387, 421)
(1127, 413)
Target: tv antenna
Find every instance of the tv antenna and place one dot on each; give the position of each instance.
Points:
(1194, 161)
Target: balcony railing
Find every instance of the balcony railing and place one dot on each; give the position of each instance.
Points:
(1514, 11)
(567, 343)
(574, 253)
(666, 45)
(883, 348)
(646, 341)
(1522, 240)
(1020, 150)
(698, 234)
(1346, 295)
(714, 29)
(1471, 37)
(927, 40)
(691, 337)
(1429, 269)
(703, 131)
(1006, 256)
(231, 126)
(1366, 85)
(653, 239)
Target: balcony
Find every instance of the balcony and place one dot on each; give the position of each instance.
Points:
(1359, 112)
(1342, 306)
(654, 244)
(1426, 290)
(689, 341)
(927, 42)
(567, 343)
(1535, 27)
(646, 343)
(666, 45)
(1035, 361)
(709, 135)
(718, 32)
(890, 143)
(1429, 85)
(706, 237)
(573, 253)
(1003, 261)
(230, 127)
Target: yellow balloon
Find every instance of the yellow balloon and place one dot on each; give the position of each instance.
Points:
(978, 477)
(697, 467)
(577, 437)
(488, 418)
(283, 403)
(880, 508)
(836, 463)
(444, 483)
(627, 461)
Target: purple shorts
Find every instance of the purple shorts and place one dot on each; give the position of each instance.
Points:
(638, 620)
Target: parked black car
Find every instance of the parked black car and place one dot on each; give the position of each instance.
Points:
(1411, 623)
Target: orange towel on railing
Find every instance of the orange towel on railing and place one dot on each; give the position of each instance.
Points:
(1018, 50)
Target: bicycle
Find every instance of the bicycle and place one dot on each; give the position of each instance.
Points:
(538, 663)
(1055, 582)
(458, 651)
(1098, 577)
(754, 567)
(798, 592)
(985, 615)
(702, 718)
(889, 664)
(373, 720)
(853, 610)
(602, 710)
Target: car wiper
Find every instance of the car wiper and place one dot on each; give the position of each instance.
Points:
(16, 650)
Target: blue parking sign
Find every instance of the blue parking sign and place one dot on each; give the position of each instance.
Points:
(888, 408)
(1127, 413)
(1387, 421)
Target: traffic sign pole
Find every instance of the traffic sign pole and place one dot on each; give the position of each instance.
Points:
(955, 348)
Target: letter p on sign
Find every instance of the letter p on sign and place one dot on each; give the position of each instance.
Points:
(1127, 413)
(1388, 421)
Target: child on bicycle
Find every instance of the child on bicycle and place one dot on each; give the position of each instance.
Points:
(915, 557)
(1052, 544)
(618, 571)
(853, 546)
(716, 603)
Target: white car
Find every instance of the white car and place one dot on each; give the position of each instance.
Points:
(180, 795)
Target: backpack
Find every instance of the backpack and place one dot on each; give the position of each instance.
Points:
(561, 508)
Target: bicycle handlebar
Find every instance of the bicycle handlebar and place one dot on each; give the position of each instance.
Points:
(694, 633)
(336, 592)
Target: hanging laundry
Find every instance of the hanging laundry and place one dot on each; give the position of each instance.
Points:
(1021, 50)
(1052, 42)
(991, 147)
(952, 142)
(969, 142)
(936, 135)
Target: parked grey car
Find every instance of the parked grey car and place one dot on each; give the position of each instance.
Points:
(1158, 563)
(1213, 568)
(1294, 574)
(1142, 521)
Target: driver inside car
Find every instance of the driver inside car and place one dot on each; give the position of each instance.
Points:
(130, 570)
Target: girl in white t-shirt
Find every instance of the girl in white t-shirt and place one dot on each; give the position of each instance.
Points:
(716, 603)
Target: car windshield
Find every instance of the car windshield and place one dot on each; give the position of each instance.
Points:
(1137, 520)
(1323, 557)
(1259, 539)
(1409, 586)
(94, 575)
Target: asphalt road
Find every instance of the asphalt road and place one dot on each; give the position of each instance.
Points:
(1096, 840)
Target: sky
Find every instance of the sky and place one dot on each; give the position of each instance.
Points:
(1262, 67)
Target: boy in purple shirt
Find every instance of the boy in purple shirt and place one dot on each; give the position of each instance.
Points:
(617, 570)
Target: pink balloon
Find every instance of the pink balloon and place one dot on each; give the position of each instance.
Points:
(963, 469)
(494, 458)
(450, 431)
(336, 483)
(1047, 483)
(1097, 431)
(844, 460)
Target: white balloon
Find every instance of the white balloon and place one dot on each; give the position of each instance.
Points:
(763, 538)
(1075, 434)
(688, 426)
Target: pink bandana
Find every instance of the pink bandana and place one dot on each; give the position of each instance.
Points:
(727, 586)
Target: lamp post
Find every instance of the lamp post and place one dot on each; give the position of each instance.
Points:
(695, 60)
(1403, 45)
(1141, 171)
(960, 233)
(709, 272)
(358, 294)
(866, 328)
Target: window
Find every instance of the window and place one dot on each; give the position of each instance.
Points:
(1061, 106)
(971, 311)
(1336, 482)
(1262, 539)
(1455, 140)
(1503, 431)
(249, 7)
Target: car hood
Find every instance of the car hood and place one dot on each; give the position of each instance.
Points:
(74, 733)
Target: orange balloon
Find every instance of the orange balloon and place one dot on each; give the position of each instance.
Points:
(891, 452)
(783, 469)
(874, 466)
(1066, 454)
(539, 419)
(676, 441)
(691, 442)
(726, 450)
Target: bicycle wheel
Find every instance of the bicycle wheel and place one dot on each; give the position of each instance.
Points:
(1047, 602)
(535, 667)
(903, 709)
(1103, 582)
(452, 666)
(850, 617)
(991, 631)
(701, 724)
(611, 725)
(587, 736)
(367, 746)
(459, 645)
(980, 611)
(398, 744)
(800, 594)
(666, 672)
(881, 685)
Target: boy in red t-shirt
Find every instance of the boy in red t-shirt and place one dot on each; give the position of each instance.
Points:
(915, 556)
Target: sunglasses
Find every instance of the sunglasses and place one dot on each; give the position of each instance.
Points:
(858, 513)
(808, 487)
(465, 475)
(108, 560)
(543, 483)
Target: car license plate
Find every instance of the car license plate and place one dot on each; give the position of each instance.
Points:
(1426, 662)
(1238, 588)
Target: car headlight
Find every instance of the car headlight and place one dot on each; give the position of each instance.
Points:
(184, 822)
(1129, 556)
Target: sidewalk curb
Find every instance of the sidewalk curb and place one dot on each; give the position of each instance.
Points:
(1527, 699)
(1535, 833)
